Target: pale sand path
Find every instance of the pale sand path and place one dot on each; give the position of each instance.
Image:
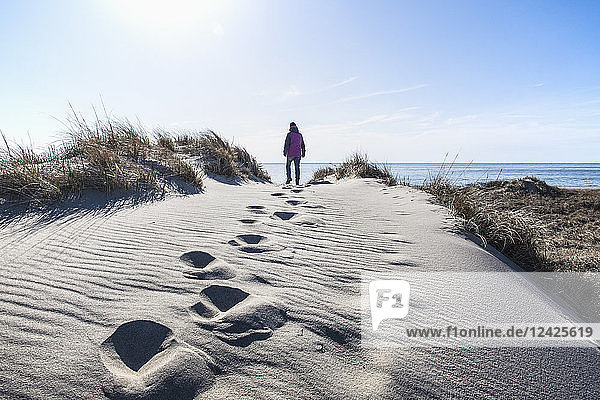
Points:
(274, 315)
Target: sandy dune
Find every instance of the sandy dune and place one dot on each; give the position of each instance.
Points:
(245, 291)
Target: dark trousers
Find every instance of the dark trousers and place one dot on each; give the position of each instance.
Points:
(288, 168)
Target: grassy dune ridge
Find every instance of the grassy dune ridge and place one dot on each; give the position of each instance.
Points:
(109, 154)
(539, 227)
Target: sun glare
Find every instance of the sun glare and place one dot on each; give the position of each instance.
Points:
(168, 14)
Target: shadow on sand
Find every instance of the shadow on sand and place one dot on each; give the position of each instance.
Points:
(87, 202)
(235, 180)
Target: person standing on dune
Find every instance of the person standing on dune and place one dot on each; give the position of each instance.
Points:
(293, 149)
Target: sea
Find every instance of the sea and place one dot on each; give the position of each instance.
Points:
(556, 174)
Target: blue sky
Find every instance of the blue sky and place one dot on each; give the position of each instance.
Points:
(403, 81)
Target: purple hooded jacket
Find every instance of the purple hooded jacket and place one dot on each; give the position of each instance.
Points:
(294, 144)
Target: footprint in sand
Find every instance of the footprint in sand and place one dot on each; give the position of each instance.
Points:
(248, 221)
(295, 219)
(202, 265)
(257, 209)
(237, 317)
(284, 216)
(295, 202)
(254, 244)
(146, 361)
(297, 190)
(308, 221)
(278, 194)
(251, 239)
(259, 279)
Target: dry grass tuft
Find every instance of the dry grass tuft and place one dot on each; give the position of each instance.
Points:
(218, 156)
(357, 166)
(322, 173)
(164, 141)
(249, 165)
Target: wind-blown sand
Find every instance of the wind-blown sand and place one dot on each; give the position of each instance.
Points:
(246, 291)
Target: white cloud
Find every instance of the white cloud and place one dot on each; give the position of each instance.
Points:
(379, 93)
(352, 78)
(346, 127)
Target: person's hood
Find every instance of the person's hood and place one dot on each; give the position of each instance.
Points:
(294, 129)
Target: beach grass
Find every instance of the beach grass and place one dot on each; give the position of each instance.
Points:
(322, 173)
(357, 165)
(218, 156)
(539, 227)
(109, 154)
